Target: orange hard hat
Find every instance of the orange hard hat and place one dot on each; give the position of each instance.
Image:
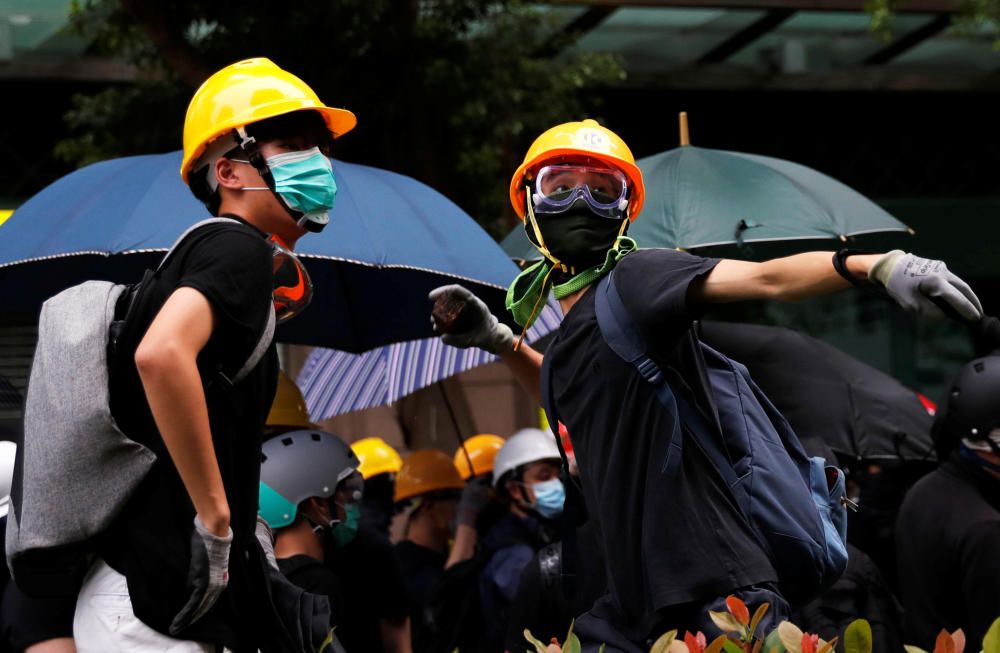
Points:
(481, 450)
(426, 471)
(585, 139)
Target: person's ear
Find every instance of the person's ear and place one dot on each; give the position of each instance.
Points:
(317, 509)
(229, 174)
(515, 490)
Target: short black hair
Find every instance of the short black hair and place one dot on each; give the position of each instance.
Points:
(303, 123)
(306, 122)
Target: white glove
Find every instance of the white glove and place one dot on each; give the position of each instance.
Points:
(265, 537)
(919, 284)
(485, 332)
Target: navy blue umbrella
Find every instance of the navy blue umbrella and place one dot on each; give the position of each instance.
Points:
(391, 239)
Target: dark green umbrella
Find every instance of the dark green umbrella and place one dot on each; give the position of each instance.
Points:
(699, 197)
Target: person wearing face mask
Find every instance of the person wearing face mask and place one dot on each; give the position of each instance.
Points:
(676, 542)
(526, 474)
(195, 369)
(948, 530)
(310, 495)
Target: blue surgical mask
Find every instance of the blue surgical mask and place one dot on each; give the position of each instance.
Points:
(344, 532)
(304, 180)
(550, 497)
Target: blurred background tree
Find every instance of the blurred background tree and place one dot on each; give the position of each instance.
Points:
(448, 91)
(973, 17)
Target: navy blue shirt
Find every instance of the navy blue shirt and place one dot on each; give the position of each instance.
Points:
(513, 542)
(672, 539)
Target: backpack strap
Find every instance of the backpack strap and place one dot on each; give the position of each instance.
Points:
(553, 417)
(187, 232)
(267, 334)
(622, 335)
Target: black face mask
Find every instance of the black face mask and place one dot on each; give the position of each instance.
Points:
(577, 237)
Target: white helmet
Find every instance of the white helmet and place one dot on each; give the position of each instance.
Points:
(525, 446)
(7, 452)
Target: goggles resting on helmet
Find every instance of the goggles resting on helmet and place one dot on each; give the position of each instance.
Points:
(292, 290)
(558, 187)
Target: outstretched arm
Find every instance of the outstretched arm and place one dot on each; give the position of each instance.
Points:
(917, 284)
(783, 279)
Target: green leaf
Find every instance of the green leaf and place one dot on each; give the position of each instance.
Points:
(773, 643)
(991, 643)
(539, 647)
(663, 642)
(601, 650)
(725, 622)
(732, 647)
(757, 616)
(858, 637)
(715, 646)
(791, 636)
(572, 644)
(913, 649)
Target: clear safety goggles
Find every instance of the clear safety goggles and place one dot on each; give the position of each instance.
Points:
(604, 190)
(292, 290)
(352, 487)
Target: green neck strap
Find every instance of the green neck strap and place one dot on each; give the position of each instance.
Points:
(526, 295)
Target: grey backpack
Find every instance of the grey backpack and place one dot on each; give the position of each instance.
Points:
(75, 470)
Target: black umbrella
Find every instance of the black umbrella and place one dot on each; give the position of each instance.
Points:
(10, 402)
(830, 398)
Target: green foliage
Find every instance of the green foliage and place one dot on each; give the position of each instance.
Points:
(991, 642)
(973, 18)
(448, 91)
(858, 637)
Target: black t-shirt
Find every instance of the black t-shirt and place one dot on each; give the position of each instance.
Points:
(947, 540)
(230, 264)
(315, 577)
(373, 589)
(422, 569)
(25, 621)
(668, 540)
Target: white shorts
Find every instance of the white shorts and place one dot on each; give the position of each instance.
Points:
(104, 621)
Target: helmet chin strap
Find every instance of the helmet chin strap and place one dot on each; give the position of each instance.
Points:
(251, 148)
(541, 247)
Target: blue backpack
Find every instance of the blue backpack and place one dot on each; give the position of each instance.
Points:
(793, 503)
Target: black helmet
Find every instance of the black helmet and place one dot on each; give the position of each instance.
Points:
(971, 408)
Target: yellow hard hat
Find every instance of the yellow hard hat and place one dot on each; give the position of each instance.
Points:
(246, 92)
(376, 457)
(288, 407)
(426, 471)
(587, 139)
(482, 449)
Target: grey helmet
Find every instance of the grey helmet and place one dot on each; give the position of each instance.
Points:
(298, 465)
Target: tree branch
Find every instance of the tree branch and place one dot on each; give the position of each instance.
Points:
(176, 51)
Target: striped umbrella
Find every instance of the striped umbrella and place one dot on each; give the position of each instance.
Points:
(336, 382)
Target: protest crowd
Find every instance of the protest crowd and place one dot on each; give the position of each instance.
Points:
(664, 491)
